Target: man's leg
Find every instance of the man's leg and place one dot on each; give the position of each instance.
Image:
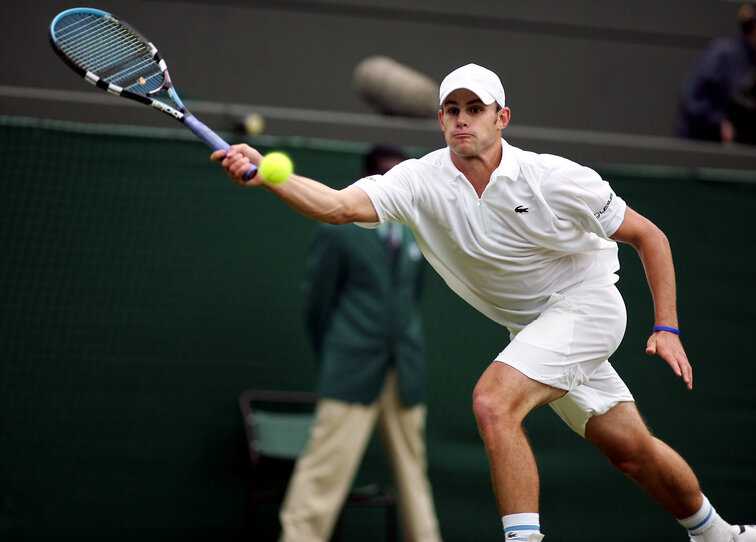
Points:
(403, 435)
(325, 470)
(625, 440)
(503, 397)
(603, 411)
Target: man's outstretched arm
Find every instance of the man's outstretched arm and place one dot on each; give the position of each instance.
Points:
(306, 196)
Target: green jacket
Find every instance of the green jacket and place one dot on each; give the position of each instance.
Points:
(363, 313)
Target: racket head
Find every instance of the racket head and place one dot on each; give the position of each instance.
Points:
(107, 51)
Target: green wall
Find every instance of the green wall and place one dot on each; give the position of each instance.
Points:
(141, 292)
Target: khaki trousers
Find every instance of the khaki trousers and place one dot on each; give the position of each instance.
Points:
(324, 473)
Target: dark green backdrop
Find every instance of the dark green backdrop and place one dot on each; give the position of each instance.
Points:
(141, 291)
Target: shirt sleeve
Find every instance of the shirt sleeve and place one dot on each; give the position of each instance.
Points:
(391, 194)
(579, 194)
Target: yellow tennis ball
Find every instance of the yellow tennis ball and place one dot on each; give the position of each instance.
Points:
(276, 167)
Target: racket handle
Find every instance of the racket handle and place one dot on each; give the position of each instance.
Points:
(213, 140)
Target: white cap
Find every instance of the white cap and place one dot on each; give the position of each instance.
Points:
(481, 81)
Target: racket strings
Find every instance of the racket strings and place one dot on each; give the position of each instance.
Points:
(110, 51)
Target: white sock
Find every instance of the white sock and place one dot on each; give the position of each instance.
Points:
(706, 525)
(519, 527)
(701, 520)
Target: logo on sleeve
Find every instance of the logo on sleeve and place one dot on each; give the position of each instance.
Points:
(608, 203)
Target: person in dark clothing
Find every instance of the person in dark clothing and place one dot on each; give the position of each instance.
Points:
(707, 111)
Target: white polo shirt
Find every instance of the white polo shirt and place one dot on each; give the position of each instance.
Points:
(541, 227)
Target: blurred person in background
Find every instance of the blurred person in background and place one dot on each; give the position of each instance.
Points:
(712, 107)
(361, 297)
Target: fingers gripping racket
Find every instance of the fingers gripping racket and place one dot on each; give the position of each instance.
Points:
(114, 57)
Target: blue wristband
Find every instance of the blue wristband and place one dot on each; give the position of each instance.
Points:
(666, 328)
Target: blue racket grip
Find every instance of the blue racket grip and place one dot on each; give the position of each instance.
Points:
(213, 140)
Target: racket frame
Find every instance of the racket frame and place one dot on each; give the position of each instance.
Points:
(179, 112)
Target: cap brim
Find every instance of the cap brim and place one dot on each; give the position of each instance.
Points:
(480, 92)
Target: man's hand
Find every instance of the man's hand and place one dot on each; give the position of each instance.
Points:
(669, 347)
(236, 163)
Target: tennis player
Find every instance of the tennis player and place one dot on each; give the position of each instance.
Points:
(531, 242)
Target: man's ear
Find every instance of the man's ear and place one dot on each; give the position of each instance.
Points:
(504, 115)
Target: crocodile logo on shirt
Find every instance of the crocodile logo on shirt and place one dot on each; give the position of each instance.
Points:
(521, 209)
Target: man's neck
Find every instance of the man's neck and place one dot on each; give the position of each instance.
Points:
(478, 169)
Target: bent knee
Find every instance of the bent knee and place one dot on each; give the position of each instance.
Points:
(504, 396)
(493, 413)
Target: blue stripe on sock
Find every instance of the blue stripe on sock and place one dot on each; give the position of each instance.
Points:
(523, 528)
(708, 517)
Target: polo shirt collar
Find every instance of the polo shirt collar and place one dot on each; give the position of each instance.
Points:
(509, 167)
(449, 169)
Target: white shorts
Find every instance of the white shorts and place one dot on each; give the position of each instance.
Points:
(568, 347)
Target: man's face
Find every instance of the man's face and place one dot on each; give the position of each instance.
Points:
(471, 127)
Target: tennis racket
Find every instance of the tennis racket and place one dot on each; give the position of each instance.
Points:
(114, 57)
